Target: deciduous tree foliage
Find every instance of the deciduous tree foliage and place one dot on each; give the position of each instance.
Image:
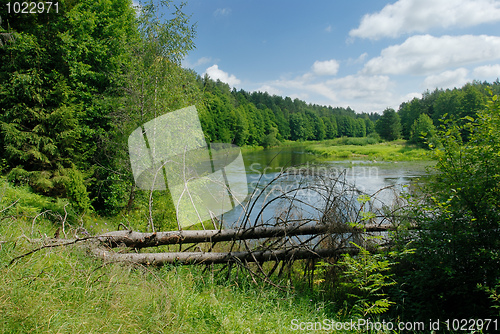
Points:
(423, 131)
(268, 117)
(454, 103)
(455, 267)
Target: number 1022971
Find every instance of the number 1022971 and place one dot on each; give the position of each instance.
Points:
(32, 7)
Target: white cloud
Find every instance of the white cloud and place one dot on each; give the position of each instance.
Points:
(359, 60)
(447, 79)
(202, 61)
(407, 16)
(358, 86)
(425, 54)
(329, 28)
(360, 92)
(328, 67)
(217, 74)
(269, 89)
(222, 12)
(411, 96)
(487, 72)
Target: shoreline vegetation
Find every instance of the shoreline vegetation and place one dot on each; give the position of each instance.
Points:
(357, 148)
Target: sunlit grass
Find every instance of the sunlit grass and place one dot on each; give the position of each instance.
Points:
(390, 151)
(66, 290)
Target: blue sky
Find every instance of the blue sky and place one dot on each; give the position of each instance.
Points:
(368, 55)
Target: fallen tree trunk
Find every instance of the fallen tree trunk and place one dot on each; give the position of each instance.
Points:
(143, 240)
(188, 258)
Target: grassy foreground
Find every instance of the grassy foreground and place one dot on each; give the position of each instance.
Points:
(65, 290)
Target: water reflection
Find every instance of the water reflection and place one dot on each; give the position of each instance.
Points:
(381, 179)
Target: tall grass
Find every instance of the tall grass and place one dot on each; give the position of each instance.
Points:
(65, 290)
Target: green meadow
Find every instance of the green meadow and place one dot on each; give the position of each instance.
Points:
(363, 148)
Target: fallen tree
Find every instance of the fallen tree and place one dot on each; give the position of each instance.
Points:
(320, 220)
(213, 257)
(134, 239)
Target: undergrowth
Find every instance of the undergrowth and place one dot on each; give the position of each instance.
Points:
(65, 290)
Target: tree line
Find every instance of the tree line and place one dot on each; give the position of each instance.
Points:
(418, 119)
(257, 118)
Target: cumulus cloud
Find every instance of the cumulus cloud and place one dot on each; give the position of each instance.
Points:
(425, 54)
(222, 12)
(359, 60)
(217, 74)
(270, 90)
(201, 61)
(409, 16)
(487, 72)
(328, 67)
(447, 79)
(360, 92)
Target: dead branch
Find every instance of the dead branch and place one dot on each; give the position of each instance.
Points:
(6, 208)
(188, 258)
(138, 240)
(52, 243)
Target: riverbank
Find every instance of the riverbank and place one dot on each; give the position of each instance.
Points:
(357, 148)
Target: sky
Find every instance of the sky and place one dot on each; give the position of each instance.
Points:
(366, 54)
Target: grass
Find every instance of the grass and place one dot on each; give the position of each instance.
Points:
(360, 148)
(65, 290)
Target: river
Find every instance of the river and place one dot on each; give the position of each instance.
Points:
(370, 177)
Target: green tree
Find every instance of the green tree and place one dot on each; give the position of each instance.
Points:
(270, 139)
(408, 113)
(360, 126)
(330, 127)
(345, 126)
(256, 124)
(241, 132)
(282, 123)
(369, 125)
(423, 131)
(455, 265)
(388, 126)
(447, 103)
(58, 73)
(151, 83)
(297, 127)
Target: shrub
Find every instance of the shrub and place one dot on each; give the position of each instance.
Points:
(459, 236)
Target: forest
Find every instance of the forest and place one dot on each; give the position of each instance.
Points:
(75, 83)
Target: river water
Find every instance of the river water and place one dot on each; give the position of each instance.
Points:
(384, 179)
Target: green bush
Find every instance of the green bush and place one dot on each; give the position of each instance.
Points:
(76, 190)
(459, 236)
